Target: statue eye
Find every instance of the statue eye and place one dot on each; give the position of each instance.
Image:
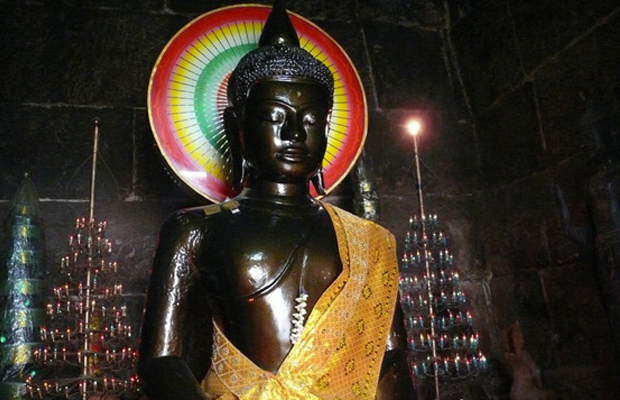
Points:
(274, 116)
(310, 119)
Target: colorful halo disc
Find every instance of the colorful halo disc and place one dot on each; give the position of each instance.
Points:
(187, 97)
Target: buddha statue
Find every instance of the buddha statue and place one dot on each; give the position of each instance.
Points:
(274, 294)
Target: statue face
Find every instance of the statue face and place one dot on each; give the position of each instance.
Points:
(283, 129)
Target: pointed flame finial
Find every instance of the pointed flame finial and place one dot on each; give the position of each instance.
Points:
(278, 28)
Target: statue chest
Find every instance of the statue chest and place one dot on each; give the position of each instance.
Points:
(256, 267)
(253, 258)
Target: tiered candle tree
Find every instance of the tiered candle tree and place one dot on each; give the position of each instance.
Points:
(441, 338)
(88, 350)
(442, 343)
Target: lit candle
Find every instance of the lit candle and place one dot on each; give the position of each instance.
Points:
(483, 361)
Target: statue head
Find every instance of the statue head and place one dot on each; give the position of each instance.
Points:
(273, 86)
(278, 56)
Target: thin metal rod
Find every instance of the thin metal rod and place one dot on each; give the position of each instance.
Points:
(93, 175)
(91, 225)
(431, 311)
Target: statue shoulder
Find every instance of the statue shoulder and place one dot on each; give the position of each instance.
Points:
(199, 215)
(196, 221)
(352, 221)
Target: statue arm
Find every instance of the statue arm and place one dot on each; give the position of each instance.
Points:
(576, 234)
(163, 366)
(395, 379)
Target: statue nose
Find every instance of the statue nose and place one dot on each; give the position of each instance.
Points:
(293, 131)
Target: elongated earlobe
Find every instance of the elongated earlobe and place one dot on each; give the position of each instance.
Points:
(318, 183)
(232, 128)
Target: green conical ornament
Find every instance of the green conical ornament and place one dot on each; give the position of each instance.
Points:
(21, 288)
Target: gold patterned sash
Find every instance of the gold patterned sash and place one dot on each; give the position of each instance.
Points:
(341, 349)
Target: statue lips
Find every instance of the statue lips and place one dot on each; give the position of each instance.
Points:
(293, 154)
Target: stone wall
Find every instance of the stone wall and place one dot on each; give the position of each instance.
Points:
(499, 88)
(520, 132)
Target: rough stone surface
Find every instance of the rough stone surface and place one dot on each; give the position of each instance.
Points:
(409, 71)
(71, 55)
(544, 28)
(487, 53)
(564, 83)
(426, 14)
(510, 143)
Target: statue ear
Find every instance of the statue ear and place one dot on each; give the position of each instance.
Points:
(232, 127)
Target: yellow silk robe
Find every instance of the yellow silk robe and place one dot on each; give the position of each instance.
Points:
(341, 349)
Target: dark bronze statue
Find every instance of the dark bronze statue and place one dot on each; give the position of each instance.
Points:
(600, 240)
(274, 294)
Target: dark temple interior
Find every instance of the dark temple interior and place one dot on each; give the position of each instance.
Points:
(519, 102)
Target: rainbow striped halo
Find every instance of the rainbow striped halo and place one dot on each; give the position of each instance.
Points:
(187, 97)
